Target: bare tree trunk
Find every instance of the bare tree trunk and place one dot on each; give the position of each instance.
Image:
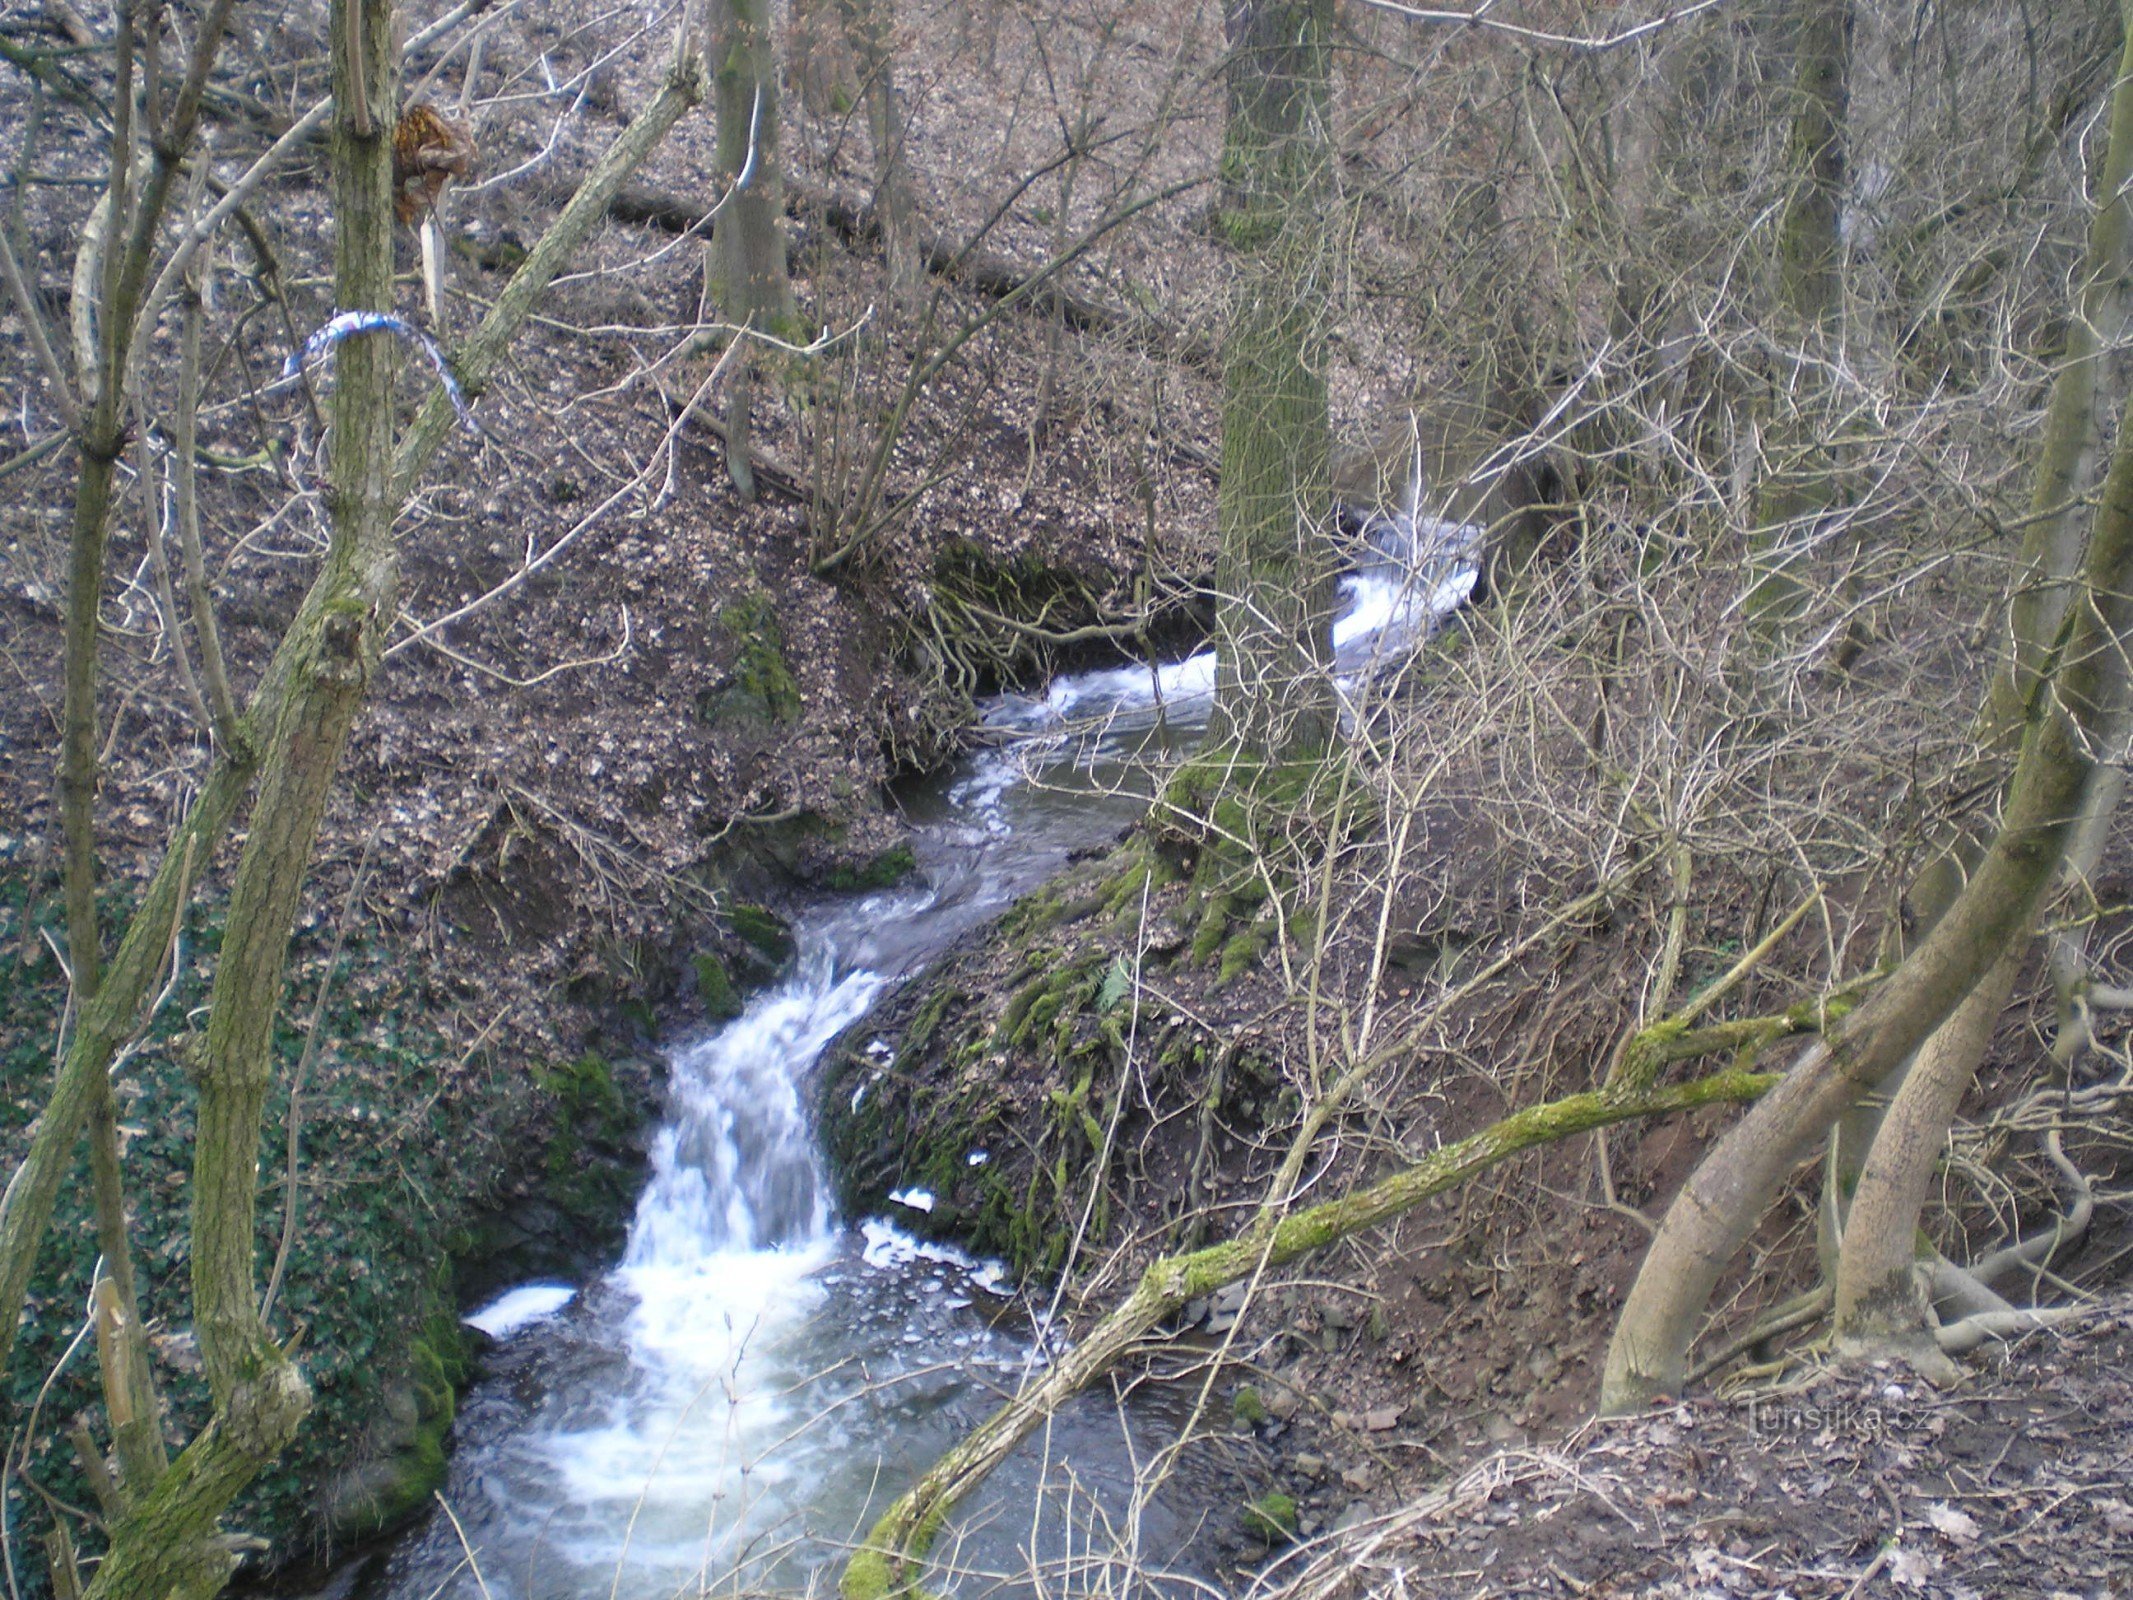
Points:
(2046, 570)
(1799, 485)
(1273, 571)
(126, 250)
(1886, 1160)
(745, 274)
(2047, 567)
(870, 26)
(820, 59)
(1882, 1282)
(1881, 1299)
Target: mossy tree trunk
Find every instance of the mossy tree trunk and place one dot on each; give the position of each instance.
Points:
(166, 1541)
(745, 273)
(1273, 573)
(161, 1520)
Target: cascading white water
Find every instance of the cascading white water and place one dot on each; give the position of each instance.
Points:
(733, 1404)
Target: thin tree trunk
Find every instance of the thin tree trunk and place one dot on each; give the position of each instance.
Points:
(820, 59)
(104, 1024)
(1881, 1296)
(745, 275)
(2047, 566)
(870, 25)
(2050, 558)
(1799, 486)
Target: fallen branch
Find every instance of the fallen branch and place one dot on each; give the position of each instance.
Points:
(993, 276)
(887, 1564)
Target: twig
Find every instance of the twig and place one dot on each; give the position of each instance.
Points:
(33, 323)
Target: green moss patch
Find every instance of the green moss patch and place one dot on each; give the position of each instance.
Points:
(714, 987)
(884, 871)
(1271, 1518)
(760, 687)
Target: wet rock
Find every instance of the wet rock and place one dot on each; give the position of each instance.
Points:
(1227, 1306)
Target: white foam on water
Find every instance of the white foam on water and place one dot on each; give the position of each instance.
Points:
(520, 1308)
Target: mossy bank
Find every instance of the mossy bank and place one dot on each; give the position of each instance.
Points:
(1036, 1086)
(430, 1170)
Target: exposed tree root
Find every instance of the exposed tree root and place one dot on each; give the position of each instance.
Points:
(1802, 1309)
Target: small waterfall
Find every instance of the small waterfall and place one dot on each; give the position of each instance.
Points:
(736, 1166)
(733, 1404)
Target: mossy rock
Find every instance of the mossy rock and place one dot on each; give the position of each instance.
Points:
(398, 1480)
(715, 988)
(1271, 1518)
(759, 687)
(766, 933)
(884, 871)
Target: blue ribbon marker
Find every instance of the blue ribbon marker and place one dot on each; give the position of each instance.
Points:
(347, 324)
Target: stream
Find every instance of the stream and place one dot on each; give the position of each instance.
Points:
(732, 1405)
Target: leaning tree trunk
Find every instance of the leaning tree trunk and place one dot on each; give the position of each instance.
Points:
(1273, 570)
(1882, 1164)
(2067, 720)
(2048, 564)
(892, 1560)
(1881, 1298)
(745, 274)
